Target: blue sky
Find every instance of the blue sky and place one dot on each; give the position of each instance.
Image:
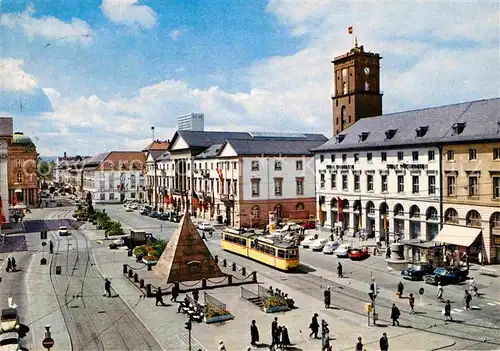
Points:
(91, 76)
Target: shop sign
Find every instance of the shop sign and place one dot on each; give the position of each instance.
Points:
(497, 240)
(409, 166)
(339, 166)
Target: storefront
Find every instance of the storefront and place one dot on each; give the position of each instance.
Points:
(418, 251)
(461, 239)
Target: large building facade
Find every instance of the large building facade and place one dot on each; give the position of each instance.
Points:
(22, 167)
(191, 121)
(6, 129)
(153, 189)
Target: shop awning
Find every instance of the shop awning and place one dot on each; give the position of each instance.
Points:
(457, 235)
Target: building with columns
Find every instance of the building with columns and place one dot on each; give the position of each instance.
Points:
(153, 190)
(6, 128)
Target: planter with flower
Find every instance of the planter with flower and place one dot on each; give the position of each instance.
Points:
(150, 254)
(214, 313)
(274, 303)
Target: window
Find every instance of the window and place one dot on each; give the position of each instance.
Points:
(19, 177)
(496, 187)
(369, 157)
(367, 86)
(255, 187)
(111, 196)
(333, 157)
(369, 182)
(414, 156)
(333, 181)
(383, 156)
(102, 196)
(299, 186)
(450, 155)
(321, 158)
(472, 154)
(431, 155)
(415, 184)
(255, 165)
(278, 186)
(132, 182)
(356, 182)
(344, 86)
(255, 212)
(344, 182)
(277, 165)
(496, 153)
(384, 182)
(356, 158)
(473, 188)
(102, 184)
(451, 181)
(401, 184)
(298, 165)
(322, 180)
(19, 163)
(132, 195)
(400, 156)
(432, 184)
(344, 158)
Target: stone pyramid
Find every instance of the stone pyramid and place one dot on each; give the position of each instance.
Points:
(186, 257)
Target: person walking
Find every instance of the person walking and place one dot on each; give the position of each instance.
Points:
(440, 292)
(411, 301)
(107, 287)
(9, 265)
(314, 326)
(285, 338)
(196, 295)
(51, 247)
(395, 313)
(384, 342)
(339, 270)
(254, 333)
(359, 344)
(328, 296)
(159, 297)
(447, 311)
(175, 293)
(473, 287)
(274, 333)
(467, 299)
(222, 347)
(401, 288)
(14, 264)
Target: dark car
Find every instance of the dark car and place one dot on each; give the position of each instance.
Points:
(174, 217)
(163, 216)
(153, 214)
(446, 275)
(417, 272)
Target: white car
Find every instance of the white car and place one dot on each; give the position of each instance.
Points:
(119, 242)
(205, 226)
(133, 206)
(63, 231)
(9, 342)
(342, 250)
(330, 247)
(318, 244)
(309, 240)
(129, 209)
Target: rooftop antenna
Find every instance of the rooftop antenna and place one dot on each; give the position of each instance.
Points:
(153, 132)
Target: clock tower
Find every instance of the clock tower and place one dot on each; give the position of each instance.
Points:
(356, 88)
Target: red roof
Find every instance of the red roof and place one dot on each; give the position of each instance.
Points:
(123, 160)
(157, 145)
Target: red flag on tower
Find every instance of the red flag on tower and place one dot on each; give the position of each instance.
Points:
(349, 30)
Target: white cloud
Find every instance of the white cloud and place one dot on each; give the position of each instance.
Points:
(129, 13)
(13, 78)
(176, 33)
(48, 27)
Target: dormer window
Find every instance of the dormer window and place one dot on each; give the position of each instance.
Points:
(421, 131)
(389, 134)
(340, 138)
(458, 128)
(363, 136)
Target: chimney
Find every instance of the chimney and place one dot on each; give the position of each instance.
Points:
(64, 154)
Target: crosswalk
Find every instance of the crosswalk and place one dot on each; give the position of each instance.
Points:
(475, 307)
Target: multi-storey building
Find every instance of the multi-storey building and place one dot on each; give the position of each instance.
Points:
(6, 128)
(240, 178)
(23, 176)
(191, 121)
(68, 173)
(114, 177)
(153, 189)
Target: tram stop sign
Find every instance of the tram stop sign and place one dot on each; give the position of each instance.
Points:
(48, 343)
(421, 291)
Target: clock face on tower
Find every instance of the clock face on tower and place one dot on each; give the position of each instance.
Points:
(367, 70)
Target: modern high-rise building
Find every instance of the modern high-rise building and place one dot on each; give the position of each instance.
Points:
(191, 121)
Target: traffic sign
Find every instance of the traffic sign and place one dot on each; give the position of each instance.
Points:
(48, 343)
(44, 243)
(421, 291)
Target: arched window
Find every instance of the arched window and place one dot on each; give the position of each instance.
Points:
(384, 209)
(344, 88)
(255, 212)
(333, 202)
(451, 216)
(495, 220)
(343, 118)
(367, 86)
(432, 214)
(278, 209)
(357, 205)
(132, 181)
(370, 207)
(346, 205)
(473, 219)
(399, 210)
(414, 212)
(300, 206)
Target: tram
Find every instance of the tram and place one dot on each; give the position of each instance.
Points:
(269, 251)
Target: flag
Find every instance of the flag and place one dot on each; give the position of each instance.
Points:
(205, 204)
(340, 209)
(221, 180)
(2, 216)
(320, 216)
(385, 223)
(349, 30)
(167, 199)
(14, 200)
(196, 200)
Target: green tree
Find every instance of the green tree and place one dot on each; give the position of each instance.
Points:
(45, 169)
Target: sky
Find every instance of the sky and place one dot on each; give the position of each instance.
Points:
(85, 77)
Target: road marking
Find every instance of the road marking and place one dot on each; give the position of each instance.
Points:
(492, 304)
(475, 307)
(457, 310)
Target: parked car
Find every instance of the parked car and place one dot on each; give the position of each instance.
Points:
(63, 231)
(133, 206)
(309, 240)
(153, 214)
(174, 217)
(287, 228)
(417, 272)
(309, 225)
(129, 209)
(293, 237)
(358, 253)
(206, 226)
(446, 275)
(9, 342)
(119, 242)
(318, 244)
(330, 247)
(342, 250)
(163, 216)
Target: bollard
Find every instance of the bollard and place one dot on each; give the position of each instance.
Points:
(43, 261)
(136, 278)
(141, 283)
(125, 269)
(254, 276)
(148, 290)
(129, 253)
(176, 284)
(234, 267)
(230, 280)
(243, 271)
(216, 258)
(204, 283)
(58, 270)
(150, 267)
(130, 273)
(224, 263)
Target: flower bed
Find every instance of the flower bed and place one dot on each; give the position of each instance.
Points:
(214, 313)
(274, 303)
(151, 252)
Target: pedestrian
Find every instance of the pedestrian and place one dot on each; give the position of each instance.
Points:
(175, 293)
(274, 332)
(285, 338)
(221, 346)
(473, 287)
(159, 297)
(14, 264)
(9, 265)
(328, 296)
(254, 333)
(359, 344)
(467, 299)
(440, 292)
(388, 252)
(384, 342)
(203, 235)
(401, 288)
(51, 247)
(314, 326)
(411, 301)
(196, 295)
(447, 311)
(339, 270)
(107, 287)
(395, 313)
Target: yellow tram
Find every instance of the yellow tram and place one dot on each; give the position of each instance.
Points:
(272, 252)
